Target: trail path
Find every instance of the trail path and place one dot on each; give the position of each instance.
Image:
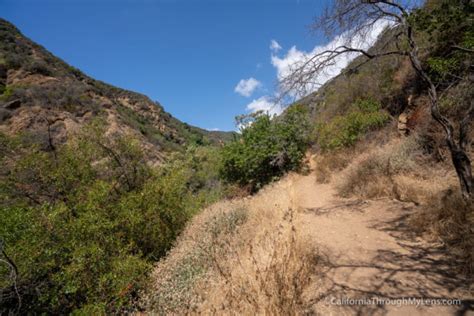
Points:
(368, 251)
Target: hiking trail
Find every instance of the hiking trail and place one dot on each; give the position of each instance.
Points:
(368, 251)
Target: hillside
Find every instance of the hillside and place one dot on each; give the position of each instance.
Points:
(42, 95)
(349, 203)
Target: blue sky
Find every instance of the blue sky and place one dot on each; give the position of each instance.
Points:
(188, 55)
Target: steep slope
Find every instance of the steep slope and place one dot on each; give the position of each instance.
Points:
(41, 94)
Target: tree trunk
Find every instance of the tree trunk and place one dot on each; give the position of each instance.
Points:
(459, 157)
(462, 164)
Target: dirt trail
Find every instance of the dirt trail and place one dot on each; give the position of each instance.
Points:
(369, 252)
(365, 248)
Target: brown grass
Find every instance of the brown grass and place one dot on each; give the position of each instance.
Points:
(449, 219)
(267, 275)
(372, 174)
(327, 164)
(175, 278)
(240, 257)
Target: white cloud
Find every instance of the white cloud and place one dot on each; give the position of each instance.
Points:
(246, 87)
(265, 104)
(215, 129)
(294, 56)
(274, 46)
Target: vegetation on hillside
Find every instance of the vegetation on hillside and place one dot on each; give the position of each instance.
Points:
(32, 78)
(83, 214)
(434, 40)
(83, 223)
(345, 130)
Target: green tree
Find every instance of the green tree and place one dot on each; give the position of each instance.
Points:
(267, 147)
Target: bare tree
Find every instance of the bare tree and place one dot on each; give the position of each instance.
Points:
(356, 19)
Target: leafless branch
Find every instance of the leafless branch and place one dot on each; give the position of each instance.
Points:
(350, 19)
(465, 49)
(303, 74)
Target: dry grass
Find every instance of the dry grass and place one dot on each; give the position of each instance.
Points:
(175, 278)
(372, 174)
(327, 164)
(449, 219)
(241, 257)
(398, 170)
(267, 275)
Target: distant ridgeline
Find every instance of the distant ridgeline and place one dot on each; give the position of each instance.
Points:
(41, 94)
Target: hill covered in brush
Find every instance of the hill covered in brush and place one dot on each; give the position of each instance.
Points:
(41, 94)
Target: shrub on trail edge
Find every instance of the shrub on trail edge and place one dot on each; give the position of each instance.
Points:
(267, 148)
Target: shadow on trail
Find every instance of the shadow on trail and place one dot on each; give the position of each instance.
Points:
(415, 269)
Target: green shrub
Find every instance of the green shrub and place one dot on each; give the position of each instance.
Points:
(39, 67)
(85, 223)
(267, 148)
(6, 92)
(345, 130)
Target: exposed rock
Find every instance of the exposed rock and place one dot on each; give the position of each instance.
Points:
(402, 124)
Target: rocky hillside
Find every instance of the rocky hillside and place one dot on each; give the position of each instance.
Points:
(41, 94)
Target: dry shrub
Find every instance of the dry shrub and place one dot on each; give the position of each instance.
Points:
(175, 278)
(403, 74)
(326, 164)
(267, 275)
(371, 174)
(448, 218)
(413, 189)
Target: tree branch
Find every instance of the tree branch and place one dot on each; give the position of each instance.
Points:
(14, 272)
(464, 127)
(463, 49)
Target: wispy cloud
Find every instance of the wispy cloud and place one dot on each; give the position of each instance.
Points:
(265, 104)
(294, 56)
(246, 87)
(275, 46)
